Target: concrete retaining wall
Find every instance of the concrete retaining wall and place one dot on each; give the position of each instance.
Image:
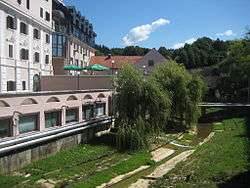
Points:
(16, 160)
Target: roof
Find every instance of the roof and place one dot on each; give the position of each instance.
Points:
(152, 55)
(119, 60)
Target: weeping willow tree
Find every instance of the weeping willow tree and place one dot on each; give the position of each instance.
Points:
(142, 107)
(145, 104)
(184, 89)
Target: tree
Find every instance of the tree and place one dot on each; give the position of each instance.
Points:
(143, 108)
(166, 52)
(235, 71)
(185, 91)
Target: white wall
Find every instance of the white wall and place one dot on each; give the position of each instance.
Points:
(15, 69)
(79, 55)
(34, 11)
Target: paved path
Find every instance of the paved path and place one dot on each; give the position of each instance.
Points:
(161, 170)
(161, 153)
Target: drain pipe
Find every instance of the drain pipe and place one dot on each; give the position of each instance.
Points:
(27, 138)
(47, 138)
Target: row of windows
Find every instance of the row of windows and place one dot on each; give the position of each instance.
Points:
(24, 55)
(47, 14)
(11, 86)
(30, 123)
(11, 24)
(27, 3)
(79, 49)
(77, 62)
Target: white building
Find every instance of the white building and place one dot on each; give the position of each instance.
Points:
(73, 38)
(25, 44)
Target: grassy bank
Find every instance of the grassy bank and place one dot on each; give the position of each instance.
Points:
(92, 164)
(223, 162)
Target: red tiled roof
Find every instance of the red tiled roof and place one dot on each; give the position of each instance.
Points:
(119, 60)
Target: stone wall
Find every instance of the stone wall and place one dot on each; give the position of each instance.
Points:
(14, 161)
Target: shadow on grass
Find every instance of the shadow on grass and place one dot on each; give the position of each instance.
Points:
(223, 114)
(241, 180)
(104, 140)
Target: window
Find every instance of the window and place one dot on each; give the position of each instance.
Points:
(11, 22)
(100, 109)
(47, 59)
(72, 115)
(24, 54)
(77, 62)
(28, 4)
(41, 12)
(151, 63)
(47, 17)
(5, 128)
(59, 45)
(36, 34)
(24, 85)
(37, 57)
(52, 119)
(19, 2)
(23, 28)
(47, 38)
(10, 51)
(88, 112)
(11, 86)
(36, 83)
(28, 123)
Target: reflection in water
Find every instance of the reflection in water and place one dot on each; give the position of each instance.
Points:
(204, 129)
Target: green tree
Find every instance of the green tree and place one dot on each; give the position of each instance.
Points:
(185, 91)
(143, 108)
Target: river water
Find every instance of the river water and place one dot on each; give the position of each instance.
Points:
(204, 129)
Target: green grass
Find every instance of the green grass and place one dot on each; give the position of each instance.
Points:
(91, 164)
(135, 161)
(217, 162)
(189, 139)
(218, 126)
(214, 109)
(65, 164)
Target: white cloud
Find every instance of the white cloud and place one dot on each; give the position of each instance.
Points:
(227, 33)
(182, 44)
(142, 33)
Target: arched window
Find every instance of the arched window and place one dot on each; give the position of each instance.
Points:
(28, 102)
(36, 83)
(4, 104)
(88, 97)
(101, 96)
(72, 98)
(53, 99)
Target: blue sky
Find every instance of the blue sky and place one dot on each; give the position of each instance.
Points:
(168, 23)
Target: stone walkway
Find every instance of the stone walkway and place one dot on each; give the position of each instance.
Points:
(161, 170)
(161, 153)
